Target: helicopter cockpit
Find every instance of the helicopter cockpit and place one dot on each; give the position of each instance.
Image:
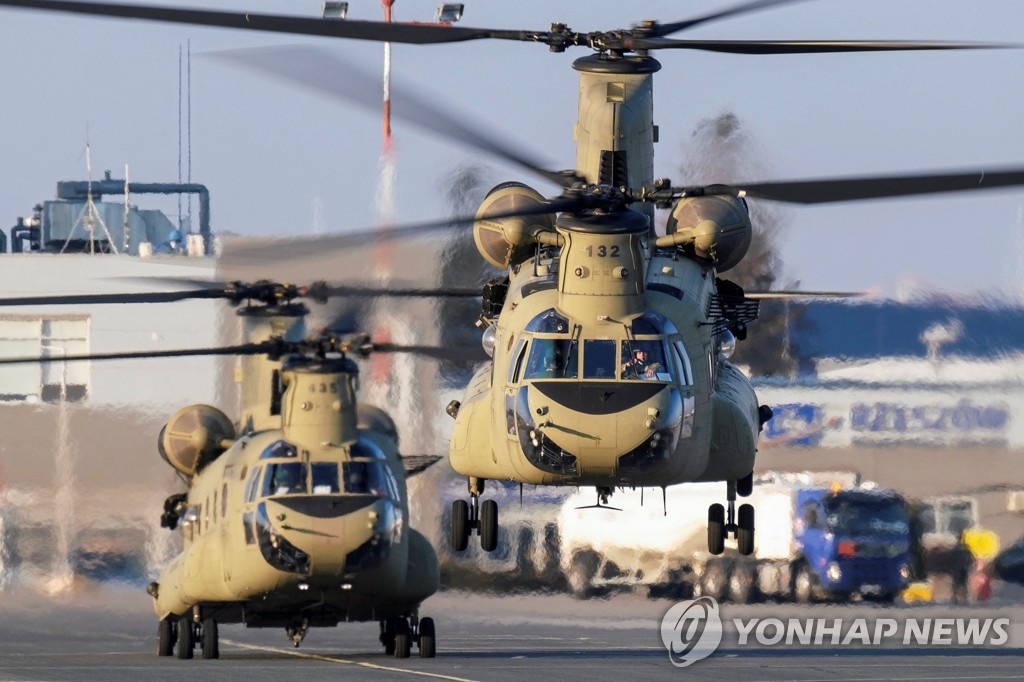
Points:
(284, 473)
(644, 351)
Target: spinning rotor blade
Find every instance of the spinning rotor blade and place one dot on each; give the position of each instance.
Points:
(434, 352)
(242, 349)
(236, 292)
(136, 297)
(327, 74)
(417, 34)
(797, 295)
(873, 187)
(303, 247)
(660, 30)
(769, 47)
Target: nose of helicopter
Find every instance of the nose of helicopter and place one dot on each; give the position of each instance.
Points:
(327, 534)
(596, 429)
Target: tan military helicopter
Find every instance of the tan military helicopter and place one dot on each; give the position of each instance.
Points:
(610, 344)
(300, 518)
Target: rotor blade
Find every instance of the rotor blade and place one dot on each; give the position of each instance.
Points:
(327, 74)
(242, 349)
(767, 47)
(417, 34)
(676, 26)
(879, 187)
(456, 354)
(797, 295)
(410, 292)
(415, 464)
(294, 248)
(135, 297)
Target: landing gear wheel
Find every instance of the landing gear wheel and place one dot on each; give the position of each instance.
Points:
(403, 638)
(427, 644)
(716, 529)
(186, 642)
(745, 485)
(489, 525)
(210, 645)
(460, 525)
(165, 637)
(745, 530)
(387, 636)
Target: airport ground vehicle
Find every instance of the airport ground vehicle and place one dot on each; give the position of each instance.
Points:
(822, 536)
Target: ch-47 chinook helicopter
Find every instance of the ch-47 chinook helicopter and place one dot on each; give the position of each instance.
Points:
(609, 343)
(298, 518)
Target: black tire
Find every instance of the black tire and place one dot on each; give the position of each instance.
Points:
(210, 644)
(714, 581)
(186, 642)
(489, 525)
(427, 641)
(803, 585)
(403, 639)
(387, 637)
(460, 525)
(745, 530)
(165, 637)
(745, 485)
(716, 529)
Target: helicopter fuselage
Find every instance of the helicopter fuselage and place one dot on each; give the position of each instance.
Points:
(299, 525)
(607, 371)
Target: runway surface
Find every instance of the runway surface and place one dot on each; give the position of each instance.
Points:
(108, 633)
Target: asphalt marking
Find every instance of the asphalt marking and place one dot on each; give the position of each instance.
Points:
(343, 661)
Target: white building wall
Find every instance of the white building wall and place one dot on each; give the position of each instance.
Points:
(141, 384)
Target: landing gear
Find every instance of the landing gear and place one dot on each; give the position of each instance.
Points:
(482, 517)
(210, 646)
(723, 522)
(297, 632)
(398, 634)
(165, 635)
(186, 637)
(425, 639)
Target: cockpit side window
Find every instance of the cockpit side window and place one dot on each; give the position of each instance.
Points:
(253, 484)
(286, 478)
(516, 367)
(325, 478)
(599, 359)
(552, 359)
(684, 363)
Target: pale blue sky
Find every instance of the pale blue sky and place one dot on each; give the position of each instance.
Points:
(270, 154)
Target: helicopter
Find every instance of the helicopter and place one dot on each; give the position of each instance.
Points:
(609, 343)
(299, 517)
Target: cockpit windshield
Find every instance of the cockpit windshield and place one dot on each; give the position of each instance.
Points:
(366, 478)
(286, 478)
(552, 359)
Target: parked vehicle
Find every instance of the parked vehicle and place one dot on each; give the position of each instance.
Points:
(820, 536)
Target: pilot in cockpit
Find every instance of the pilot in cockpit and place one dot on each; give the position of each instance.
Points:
(639, 366)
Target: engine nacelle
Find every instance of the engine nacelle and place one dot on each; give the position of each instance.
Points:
(505, 241)
(716, 227)
(194, 436)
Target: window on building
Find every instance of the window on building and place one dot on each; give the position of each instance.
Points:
(51, 337)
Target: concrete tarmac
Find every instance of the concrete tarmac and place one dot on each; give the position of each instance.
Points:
(108, 633)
